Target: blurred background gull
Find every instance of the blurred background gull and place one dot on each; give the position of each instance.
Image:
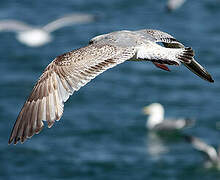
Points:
(102, 134)
(37, 36)
(156, 120)
(174, 4)
(163, 132)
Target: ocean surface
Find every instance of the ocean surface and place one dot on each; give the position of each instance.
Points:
(102, 134)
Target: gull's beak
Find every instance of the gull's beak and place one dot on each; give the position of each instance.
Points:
(146, 110)
(197, 69)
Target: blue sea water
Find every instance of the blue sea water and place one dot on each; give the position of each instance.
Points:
(102, 133)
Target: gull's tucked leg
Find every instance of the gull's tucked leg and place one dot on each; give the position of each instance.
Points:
(161, 66)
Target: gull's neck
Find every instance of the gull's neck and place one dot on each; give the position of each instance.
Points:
(155, 118)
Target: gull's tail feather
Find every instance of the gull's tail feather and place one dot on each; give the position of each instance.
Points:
(197, 69)
(187, 55)
(189, 122)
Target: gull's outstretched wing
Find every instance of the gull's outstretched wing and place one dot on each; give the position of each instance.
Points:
(68, 20)
(64, 75)
(13, 25)
(170, 42)
(201, 146)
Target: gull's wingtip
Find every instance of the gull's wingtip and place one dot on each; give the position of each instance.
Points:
(200, 71)
(9, 141)
(13, 140)
(211, 80)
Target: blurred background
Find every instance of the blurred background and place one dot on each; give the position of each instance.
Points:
(102, 133)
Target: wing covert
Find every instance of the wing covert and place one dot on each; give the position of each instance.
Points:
(159, 36)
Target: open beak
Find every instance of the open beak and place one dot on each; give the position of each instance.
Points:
(197, 69)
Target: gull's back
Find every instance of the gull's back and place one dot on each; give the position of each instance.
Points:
(120, 38)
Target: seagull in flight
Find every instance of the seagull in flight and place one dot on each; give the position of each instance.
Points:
(209, 151)
(38, 36)
(156, 120)
(67, 73)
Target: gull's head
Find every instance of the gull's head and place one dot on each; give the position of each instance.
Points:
(156, 114)
(155, 108)
(34, 37)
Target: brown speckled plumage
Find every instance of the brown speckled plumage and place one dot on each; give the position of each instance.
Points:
(69, 72)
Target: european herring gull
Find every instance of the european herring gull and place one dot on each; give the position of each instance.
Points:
(211, 153)
(67, 73)
(37, 36)
(156, 120)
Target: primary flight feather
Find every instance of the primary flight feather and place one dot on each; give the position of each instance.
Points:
(36, 36)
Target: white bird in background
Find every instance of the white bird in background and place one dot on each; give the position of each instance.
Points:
(174, 4)
(67, 73)
(156, 120)
(211, 153)
(37, 36)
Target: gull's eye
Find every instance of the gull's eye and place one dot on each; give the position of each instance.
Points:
(91, 41)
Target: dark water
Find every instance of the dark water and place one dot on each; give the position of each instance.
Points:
(102, 133)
